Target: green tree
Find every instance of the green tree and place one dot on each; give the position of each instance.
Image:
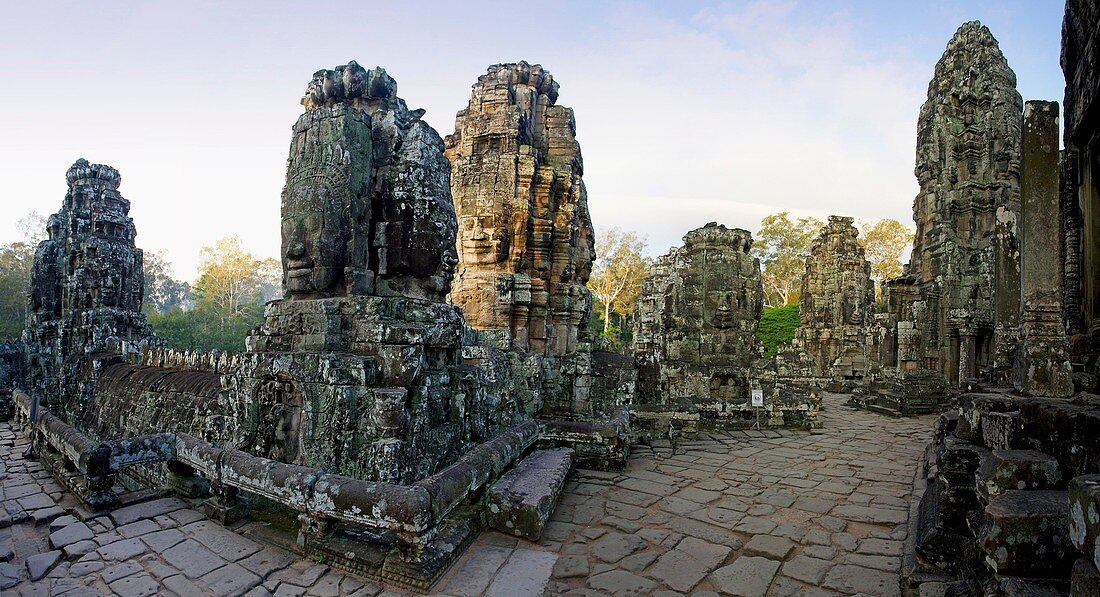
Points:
(782, 247)
(885, 241)
(163, 292)
(618, 273)
(228, 299)
(16, 263)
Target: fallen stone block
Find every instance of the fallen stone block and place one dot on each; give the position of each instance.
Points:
(523, 499)
(1029, 587)
(1026, 533)
(1084, 516)
(1067, 430)
(1004, 470)
(973, 408)
(957, 467)
(939, 537)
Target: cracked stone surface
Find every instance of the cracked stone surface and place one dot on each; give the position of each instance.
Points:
(157, 547)
(793, 512)
(790, 510)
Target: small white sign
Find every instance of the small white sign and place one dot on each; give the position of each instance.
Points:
(758, 397)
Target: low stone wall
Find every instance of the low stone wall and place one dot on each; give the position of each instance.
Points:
(415, 514)
(131, 400)
(599, 446)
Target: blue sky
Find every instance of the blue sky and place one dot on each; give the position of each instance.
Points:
(687, 112)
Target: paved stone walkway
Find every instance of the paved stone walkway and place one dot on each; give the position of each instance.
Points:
(155, 547)
(743, 513)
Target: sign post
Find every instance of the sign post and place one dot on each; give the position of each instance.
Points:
(757, 404)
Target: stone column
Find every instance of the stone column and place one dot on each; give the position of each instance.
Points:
(1042, 366)
(968, 354)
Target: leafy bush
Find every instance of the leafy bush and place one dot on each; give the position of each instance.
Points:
(777, 326)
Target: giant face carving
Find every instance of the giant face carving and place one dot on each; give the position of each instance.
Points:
(315, 237)
(484, 238)
(720, 301)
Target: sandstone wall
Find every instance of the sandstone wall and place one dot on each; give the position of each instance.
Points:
(1080, 192)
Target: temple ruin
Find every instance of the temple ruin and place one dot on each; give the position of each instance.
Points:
(86, 289)
(362, 371)
(695, 336)
(525, 237)
(429, 373)
(526, 244)
(695, 345)
(836, 303)
(956, 304)
(1012, 487)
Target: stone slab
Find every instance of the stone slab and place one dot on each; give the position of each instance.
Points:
(523, 499)
(150, 509)
(73, 533)
(40, 564)
(747, 576)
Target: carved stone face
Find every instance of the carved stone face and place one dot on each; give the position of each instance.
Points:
(484, 238)
(108, 296)
(314, 243)
(719, 303)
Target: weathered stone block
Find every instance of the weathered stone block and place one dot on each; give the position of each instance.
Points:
(1002, 430)
(523, 499)
(1026, 587)
(1027, 533)
(1084, 516)
(957, 465)
(938, 538)
(1004, 470)
(972, 411)
(1067, 430)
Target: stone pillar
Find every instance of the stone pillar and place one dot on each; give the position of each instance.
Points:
(1042, 367)
(968, 354)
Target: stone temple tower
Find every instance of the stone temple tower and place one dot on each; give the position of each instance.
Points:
(956, 304)
(87, 284)
(525, 238)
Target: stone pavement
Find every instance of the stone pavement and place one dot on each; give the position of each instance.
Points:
(743, 513)
(155, 547)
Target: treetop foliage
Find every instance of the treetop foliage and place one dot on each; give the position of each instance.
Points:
(617, 274)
